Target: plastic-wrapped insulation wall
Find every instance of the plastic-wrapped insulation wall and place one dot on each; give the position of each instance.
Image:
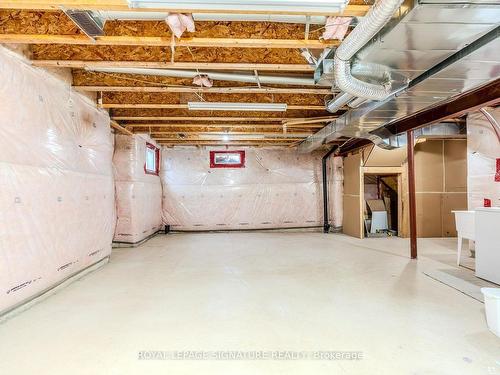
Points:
(277, 188)
(138, 194)
(483, 160)
(336, 190)
(56, 182)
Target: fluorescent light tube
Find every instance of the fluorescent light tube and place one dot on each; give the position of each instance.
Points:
(284, 6)
(228, 106)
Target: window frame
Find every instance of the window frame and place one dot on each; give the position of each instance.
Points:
(214, 164)
(156, 171)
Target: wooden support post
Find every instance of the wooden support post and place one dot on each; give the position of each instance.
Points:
(410, 144)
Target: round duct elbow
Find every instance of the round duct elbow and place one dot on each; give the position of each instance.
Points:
(347, 83)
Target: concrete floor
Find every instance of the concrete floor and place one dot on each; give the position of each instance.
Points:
(256, 292)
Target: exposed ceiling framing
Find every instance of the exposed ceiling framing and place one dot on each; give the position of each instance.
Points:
(157, 104)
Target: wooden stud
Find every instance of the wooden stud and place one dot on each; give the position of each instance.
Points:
(82, 64)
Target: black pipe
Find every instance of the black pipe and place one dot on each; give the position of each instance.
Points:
(326, 224)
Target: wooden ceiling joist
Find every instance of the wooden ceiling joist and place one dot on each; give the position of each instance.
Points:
(194, 118)
(233, 133)
(122, 5)
(82, 64)
(173, 139)
(120, 128)
(218, 90)
(185, 106)
(124, 40)
(251, 126)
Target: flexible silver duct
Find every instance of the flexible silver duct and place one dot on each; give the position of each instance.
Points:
(338, 102)
(236, 77)
(378, 15)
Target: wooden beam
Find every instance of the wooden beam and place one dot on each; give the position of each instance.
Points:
(122, 5)
(252, 126)
(185, 106)
(218, 90)
(124, 40)
(454, 107)
(81, 64)
(194, 118)
(120, 128)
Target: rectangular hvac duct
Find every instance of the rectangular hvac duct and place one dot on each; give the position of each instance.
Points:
(422, 36)
(86, 21)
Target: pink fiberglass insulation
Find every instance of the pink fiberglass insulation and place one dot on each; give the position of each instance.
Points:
(336, 190)
(483, 150)
(138, 194)
(336, 27)
(178, 23)
(277, 188)
(56, 182)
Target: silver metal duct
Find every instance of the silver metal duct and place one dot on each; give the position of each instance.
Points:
(357, 102)
(338, 102)
(376, 18)
(235, 77)
(432, 39)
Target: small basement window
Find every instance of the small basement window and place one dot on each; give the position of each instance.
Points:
(152, 165)
(227, 159)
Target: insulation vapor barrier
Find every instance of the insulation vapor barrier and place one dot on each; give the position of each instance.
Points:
(483, 159)
(56, 182)
(277, 188)
(138, 194)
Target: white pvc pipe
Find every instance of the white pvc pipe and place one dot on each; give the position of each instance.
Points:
(236, 77)
(159, 16)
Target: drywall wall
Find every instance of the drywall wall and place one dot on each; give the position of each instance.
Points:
(138, 194)
(277, 188)
(440, 178)
(483, 150)
(56, 181)
(440, 185)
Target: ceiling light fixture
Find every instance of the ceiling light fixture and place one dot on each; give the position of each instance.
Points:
(229, 106)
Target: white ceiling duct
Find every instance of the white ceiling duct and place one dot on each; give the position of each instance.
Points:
(160, 16)
(230, 106)
(236, 77)
(244, 6)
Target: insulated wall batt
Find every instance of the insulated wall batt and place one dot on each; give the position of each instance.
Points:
(483, 148)
(138, 194)
(277, 188)
(56, 183)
